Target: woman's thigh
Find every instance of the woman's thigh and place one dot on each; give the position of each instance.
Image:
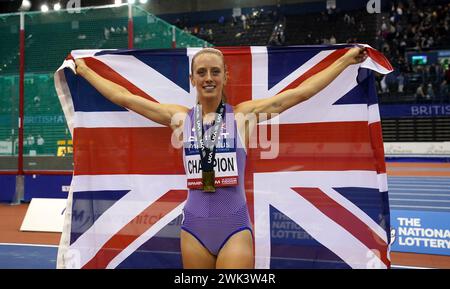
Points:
(237, 253)
(194, 255)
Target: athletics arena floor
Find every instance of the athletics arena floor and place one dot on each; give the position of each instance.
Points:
(413, 186)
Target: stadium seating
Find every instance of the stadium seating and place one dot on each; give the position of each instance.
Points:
(48, 40)
(322, 27)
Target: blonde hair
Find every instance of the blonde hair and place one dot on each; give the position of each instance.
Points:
(214, 51)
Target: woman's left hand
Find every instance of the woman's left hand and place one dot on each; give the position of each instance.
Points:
(355, 55)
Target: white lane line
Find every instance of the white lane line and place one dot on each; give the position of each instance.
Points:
(421, 200)
(414, 194)
(442, 190)
(419, 207)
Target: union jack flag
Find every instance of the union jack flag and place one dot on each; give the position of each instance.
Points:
(321, 203)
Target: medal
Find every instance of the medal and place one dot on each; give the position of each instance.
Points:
(208, 178)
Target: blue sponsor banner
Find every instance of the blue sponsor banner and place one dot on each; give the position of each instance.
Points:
(420, 232)
(45, 119)
(8, 188)
(414, 110)
(47, 186)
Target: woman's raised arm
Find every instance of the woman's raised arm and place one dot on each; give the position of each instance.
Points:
(157, 112)
(307, 89)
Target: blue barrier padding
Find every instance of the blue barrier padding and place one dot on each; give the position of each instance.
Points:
(46, 186)
(7, 187)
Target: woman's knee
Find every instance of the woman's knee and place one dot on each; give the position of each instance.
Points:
(235, 259)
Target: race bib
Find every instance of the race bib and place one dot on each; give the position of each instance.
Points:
(225, 167)
(225, 163)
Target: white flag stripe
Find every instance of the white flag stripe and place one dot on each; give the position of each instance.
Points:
(65, 97)
(84, 183)
(316, 179)
(371, 64)
(164, 221)
(64, 242)
(190, 53)
(112, 119)
(374, 113)
(262, 232)
(120, 213)
(147, 79)
(83, 53)
(382, 182)
(260, 73)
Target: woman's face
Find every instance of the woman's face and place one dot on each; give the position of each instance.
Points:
(208, 75)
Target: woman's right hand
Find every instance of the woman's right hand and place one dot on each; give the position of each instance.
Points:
(80, 65)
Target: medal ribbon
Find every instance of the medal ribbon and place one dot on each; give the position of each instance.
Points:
(207, 146)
